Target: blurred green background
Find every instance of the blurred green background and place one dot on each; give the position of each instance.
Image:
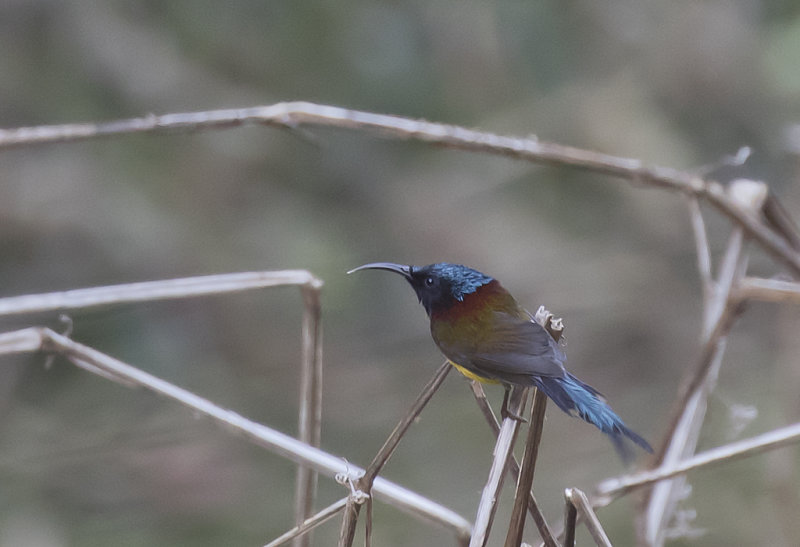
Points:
(86, 462)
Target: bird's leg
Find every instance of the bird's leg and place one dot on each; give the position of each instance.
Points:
(504, 410)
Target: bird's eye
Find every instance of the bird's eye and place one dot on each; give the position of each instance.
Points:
(430, 281)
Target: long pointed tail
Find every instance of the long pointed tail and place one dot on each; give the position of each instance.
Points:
(582, 400)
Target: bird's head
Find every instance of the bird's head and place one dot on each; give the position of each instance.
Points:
(438, 286)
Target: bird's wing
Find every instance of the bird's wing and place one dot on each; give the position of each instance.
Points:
(516, 350)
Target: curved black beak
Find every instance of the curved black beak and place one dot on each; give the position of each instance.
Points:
(405, 271)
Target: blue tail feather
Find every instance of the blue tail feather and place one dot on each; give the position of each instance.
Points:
(579, 399)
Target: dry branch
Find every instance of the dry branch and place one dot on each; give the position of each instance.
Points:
(295, 114)
(513, 466)
(366, 480)
(770, 226)
(610, 489)
(689, 408)
(570, 522)
(768, 290)
(497, 472)
(36, 339)
(688, 411)
(701, 246)
(309, 429)
(309, 524)
(310, 415)
(525, 475)
(187, 287)
(578, 506)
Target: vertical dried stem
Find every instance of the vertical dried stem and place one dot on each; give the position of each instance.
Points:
(368, 525)
(570, 520)
(779, 219)
(502, 454)
(718, 299)
(347, 532)
(548, 538)
(525, 480)
(310, 418)
(690, 408)
(524, 498)
(577, 498)
(702, 248)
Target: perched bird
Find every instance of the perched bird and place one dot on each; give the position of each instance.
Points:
(489, 337)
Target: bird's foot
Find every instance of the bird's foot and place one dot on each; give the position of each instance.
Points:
(506, 413)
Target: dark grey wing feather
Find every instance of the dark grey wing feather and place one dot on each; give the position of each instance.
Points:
(516, 351)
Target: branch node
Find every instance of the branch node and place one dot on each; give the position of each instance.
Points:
(66, 321)
(748, 195)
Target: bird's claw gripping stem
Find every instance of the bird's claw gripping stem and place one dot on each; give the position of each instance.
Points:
(505, 412)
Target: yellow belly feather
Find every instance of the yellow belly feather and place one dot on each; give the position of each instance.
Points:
(471, 375)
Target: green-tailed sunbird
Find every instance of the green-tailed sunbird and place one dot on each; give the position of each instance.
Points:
(488, 336)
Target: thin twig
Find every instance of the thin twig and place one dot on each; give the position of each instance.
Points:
(768, 290)
(486, 408)
(388, 448)
(294, 114)
(710, 352)
(347, 531)
(610, 489)
(779, 219)
(731, 160)
(570, 521)
(525, 480)
(701, 245)
(364, 483)
(368, 525)
(717, 317)
(310, 416)
(578, 499)
(41, 339)
(310, 523)
(502, 455)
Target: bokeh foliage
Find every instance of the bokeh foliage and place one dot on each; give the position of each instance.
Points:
(85, 462)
